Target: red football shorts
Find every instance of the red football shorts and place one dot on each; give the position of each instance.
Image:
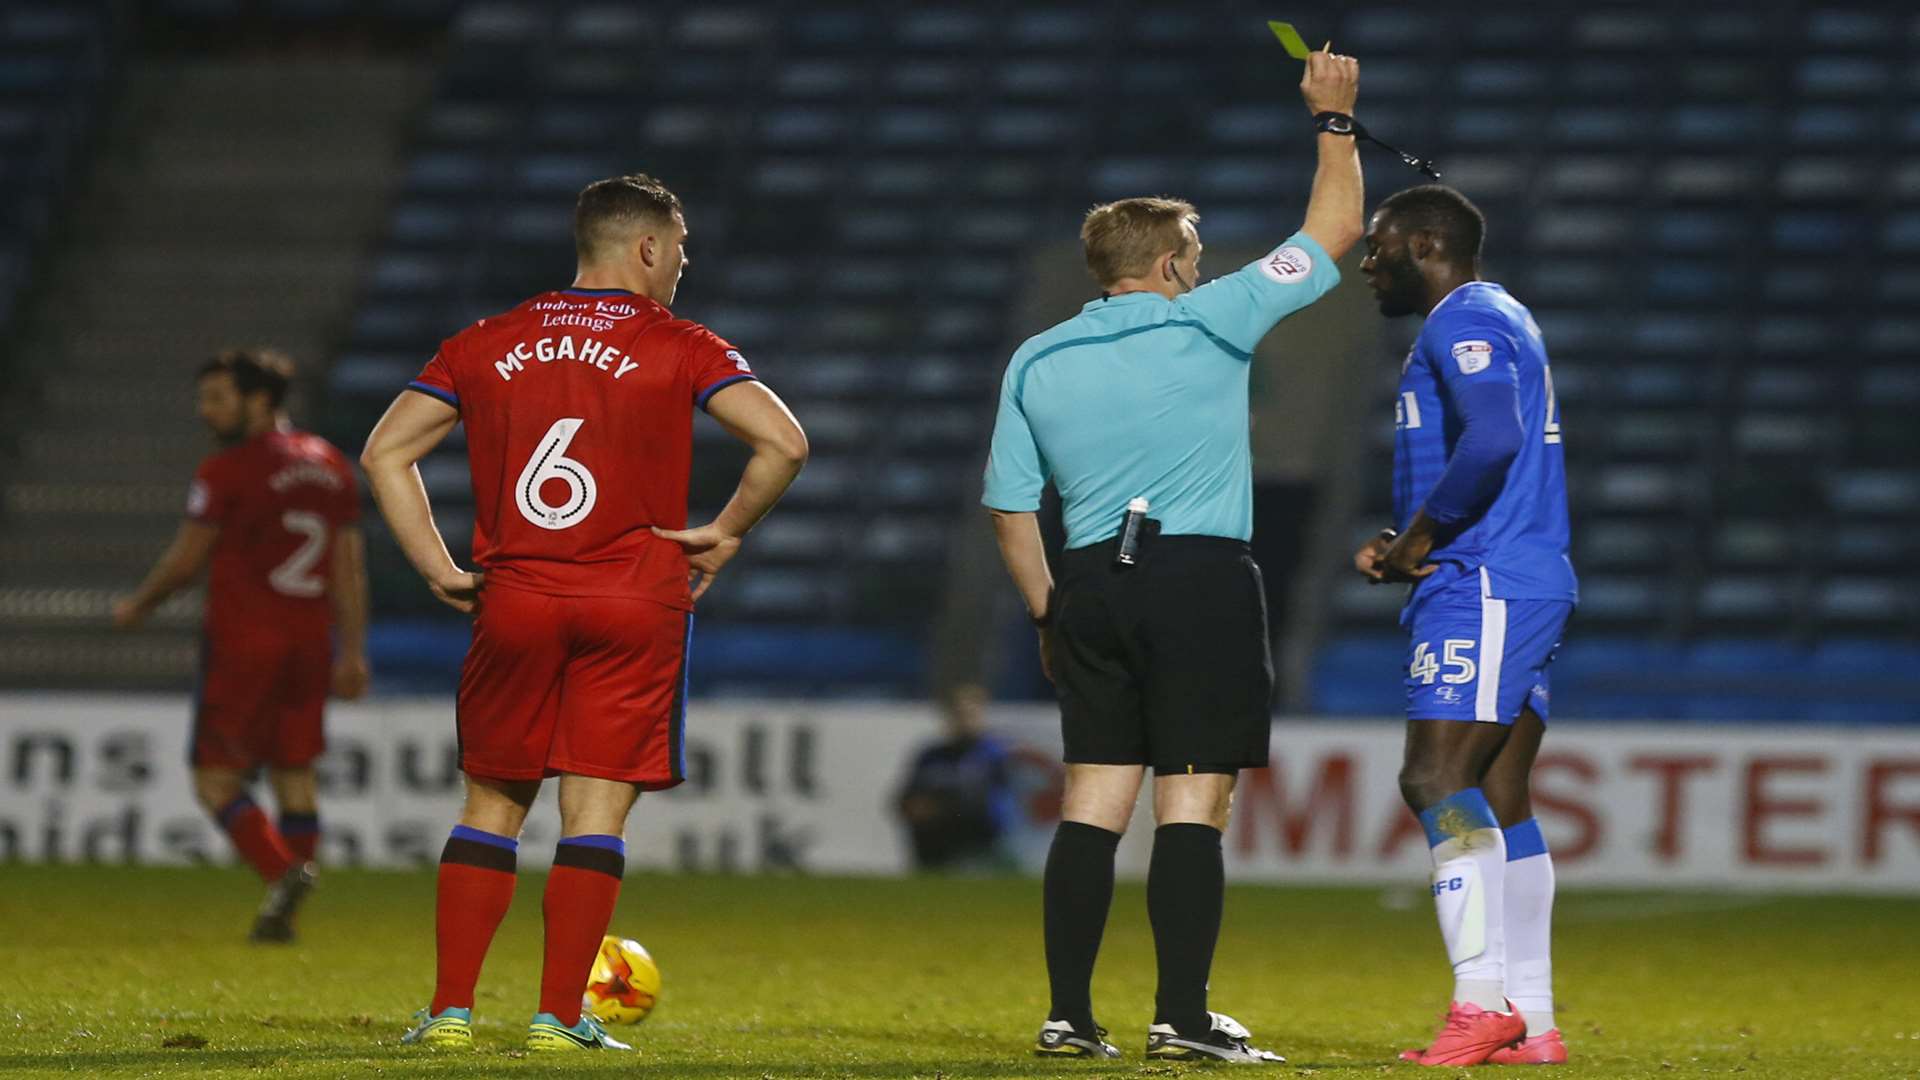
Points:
(589, 685)
(260, 700)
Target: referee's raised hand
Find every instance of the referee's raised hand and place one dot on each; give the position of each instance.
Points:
(1331, 82)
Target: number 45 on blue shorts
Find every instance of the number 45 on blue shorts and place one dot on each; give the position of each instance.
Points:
(1474, 656)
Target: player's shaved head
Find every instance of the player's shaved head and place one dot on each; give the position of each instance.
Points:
(610, 211)
(1443, 214)
(1421, 243)
(1123, 239)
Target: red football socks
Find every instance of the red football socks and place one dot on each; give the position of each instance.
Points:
(581, 893)
(258, 842)
(302, 834)
(476, 887)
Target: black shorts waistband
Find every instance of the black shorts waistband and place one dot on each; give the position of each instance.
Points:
(1161, 546)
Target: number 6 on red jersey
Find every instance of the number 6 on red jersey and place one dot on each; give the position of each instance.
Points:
(549, 462)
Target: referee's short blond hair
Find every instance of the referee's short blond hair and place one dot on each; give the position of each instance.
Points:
(1122, 239)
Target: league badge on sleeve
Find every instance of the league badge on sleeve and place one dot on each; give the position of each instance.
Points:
(1288, 265)
(1473, 356)
(738, 360)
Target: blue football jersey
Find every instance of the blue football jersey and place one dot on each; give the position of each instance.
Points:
(1480, 334)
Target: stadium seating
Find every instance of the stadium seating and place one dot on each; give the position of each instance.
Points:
(56, 65)
(1724, 254)
(1718, 257)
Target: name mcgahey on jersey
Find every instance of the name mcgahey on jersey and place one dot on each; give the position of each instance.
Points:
(546, 350)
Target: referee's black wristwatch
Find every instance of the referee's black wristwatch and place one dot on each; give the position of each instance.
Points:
(1335, 123)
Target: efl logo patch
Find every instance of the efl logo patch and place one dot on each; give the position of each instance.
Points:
(197, 499)
(1473, 356)
(1288, 265)
(738, 360)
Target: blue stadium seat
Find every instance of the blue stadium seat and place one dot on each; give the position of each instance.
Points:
(1027, 127)
(1063, 29)
(1874, 492)
(794, 177)
(845, 27)
(1823, 179)
(1619, 29)
(924, 127)
(711, 28)
(617, 25)
(1388, 30)
(1718, 125)
(1726, 29)
(1849, 28)
(1698, 230)
(1500, 77)
(1754, 543)
(1842, 77)
(941, 29)
(1707, 179)
(816, 78)
(500, 23)
(1594, 176)
(1502, 127)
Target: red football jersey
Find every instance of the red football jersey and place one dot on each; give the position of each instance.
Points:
(278, 498)
(579, 413)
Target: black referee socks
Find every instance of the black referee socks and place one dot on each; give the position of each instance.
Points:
(1079, 890)
(1186, 888)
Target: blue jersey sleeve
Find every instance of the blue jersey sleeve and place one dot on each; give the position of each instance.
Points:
(1476, 361)
(1239, 308)
(1016, 473)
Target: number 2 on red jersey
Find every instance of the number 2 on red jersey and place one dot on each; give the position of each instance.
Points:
(295, 575)
(549, 462)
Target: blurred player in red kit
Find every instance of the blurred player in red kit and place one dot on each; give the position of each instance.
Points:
(276, 513)
(578, 407)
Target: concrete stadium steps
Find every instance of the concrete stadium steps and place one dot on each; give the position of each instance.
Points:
(48, 657)
(89, 557)
(233, 203)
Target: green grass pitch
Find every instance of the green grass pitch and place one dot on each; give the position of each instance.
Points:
(101, 969)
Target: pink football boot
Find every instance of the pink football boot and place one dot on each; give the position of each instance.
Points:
(1543, 1049)
(1471, 1035)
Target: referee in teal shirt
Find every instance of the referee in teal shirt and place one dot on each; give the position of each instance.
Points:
(1156, 644)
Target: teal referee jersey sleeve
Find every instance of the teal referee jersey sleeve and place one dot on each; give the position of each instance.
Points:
(1016, 473)
(1242, 306)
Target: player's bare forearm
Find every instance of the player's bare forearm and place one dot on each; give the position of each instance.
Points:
(1026, 558)
(413, 425)
(1335, 215)
(1331, 83)
(402, 498)
(347, 591)
(768, 475)
(177, 567)
(756, 416)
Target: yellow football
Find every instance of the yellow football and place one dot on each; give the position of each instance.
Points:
(625, 983)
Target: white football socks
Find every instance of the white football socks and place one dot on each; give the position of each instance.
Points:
(1469, 895)
(1529, 919)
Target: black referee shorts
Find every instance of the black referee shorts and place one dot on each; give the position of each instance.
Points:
(1163, 663)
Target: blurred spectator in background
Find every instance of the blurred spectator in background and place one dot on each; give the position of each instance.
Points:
(957, 801)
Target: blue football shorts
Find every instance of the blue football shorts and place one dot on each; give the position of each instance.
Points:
(1473, 656)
